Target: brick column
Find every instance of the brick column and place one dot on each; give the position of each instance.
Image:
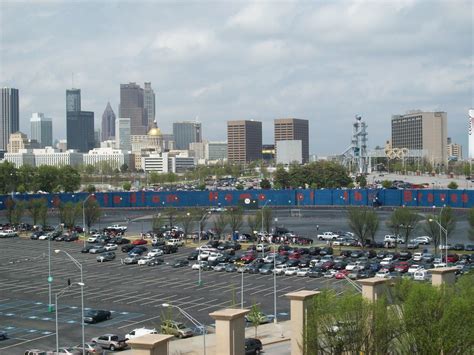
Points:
(443, 275)
(299, 302)
(230, 331)
(150, 344)
(373, 288)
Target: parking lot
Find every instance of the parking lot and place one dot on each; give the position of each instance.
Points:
(134, 294)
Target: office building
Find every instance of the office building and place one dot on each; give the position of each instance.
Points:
(290, 151)
(149, 101)
(9, 115)
(268, 153)
(215, 151)
(108, 124)
(289, 129)
(20, 141)
(45, 156)
(426, 131)
(79, 124)
(132, 105)
(122, 133)
(186, 132)
(41, 129)
(244, 141)
(454, 150)
(167, 163)
(197, 149)
(114, 157)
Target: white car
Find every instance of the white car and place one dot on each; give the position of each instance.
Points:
(155, 252)
(291, 271)
(383, 273)
(175, 242)
(392, 239)
(303, 271)
(110, 247)
(414, 268)
(198, 265)
(44, 236)
(330, 274)
(7, 233)
(422, 240)
(417, 256)
(386, 261)
(421, 275)
(145, 260)
(280, 269)
(203, 255)
(269, 258)
(213, 256)
(117, 227)
(439, 264)
(262, 247)
(357, 265)
(139, 332)
(328, 236)
(93, 238)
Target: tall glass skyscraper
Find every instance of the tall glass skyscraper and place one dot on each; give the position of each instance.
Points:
(79, 124)
(149, 100)
(186, 132)
(132, 106)
(42, 129)
(9, 115)
(108, 124)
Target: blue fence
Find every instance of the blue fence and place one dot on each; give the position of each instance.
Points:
(280, 198)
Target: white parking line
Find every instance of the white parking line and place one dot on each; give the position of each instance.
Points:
(27, 341)
(140, 321)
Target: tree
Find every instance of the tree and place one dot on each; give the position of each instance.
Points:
(386, 184)
(171, 214)
(187, 219)
(362, 181)
(235, 218)
(92, 212)
(43, 213)
(470, 219)
(267, 218)
(156, 223)
(90, 189)
(403, 222)
(10, 207)
(69, 179)
(47, 178)
(281, 178)
(220, 222)
(265, 184)
(8, 177)
(26, 177)
(254, 222)
(18, 212)
(256, 317)
(124, 168)
(127, 186)
(363, 222)
(202, 215)
(35, 207)
(69, 212)
(446, 219)
(453, 185)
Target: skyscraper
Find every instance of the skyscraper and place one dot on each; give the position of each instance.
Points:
(108, 124)
(132, 105)
(42, 129)
(149, 101)
(290, 129)
(422, 131)
(9, 115)
(79, 124)
(244, 141)
(122, 134)
(186, 132)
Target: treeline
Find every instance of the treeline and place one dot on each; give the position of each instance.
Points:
(32, 179)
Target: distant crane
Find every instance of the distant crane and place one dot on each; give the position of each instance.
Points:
(355, 157)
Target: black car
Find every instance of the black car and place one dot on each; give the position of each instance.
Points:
(181, 263)
(127, 247)
(169, 249)
(119, 240)
(253, 346)
(194, 255)
(458, 247)
(292, 262)
(404, 256)
(266, 269)
(71, 238)
(254, 268)
(469, 247)
(96, 315)
(316, 272)
(156, 261)
(36, 235)
(107, 256)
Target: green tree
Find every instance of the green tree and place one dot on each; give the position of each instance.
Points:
(186, 219)
(255, 316)
(10, 207)
(27, 177)
(403, 222)
(70, 179)
(90, 189)
(220, 223)
(47, 178)
(235, 218)
(281, 178)
(127, 186)
(453, 185)
(156, 223)
(92, 212)
(254, 222)
(362, 181)
(69, 213)
(35, 206)
(43, 212)
(386, 184)
(124, 168)
(265, 184)
(18, 211)
(8, 177)
(363, 222)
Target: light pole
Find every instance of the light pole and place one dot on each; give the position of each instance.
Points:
(242, 290)
(192, 320)
(79, 266)
(441, 228)
(262, 213)
(56, 296)
(50, 278)
(275, 320)
(84, 217)
(199, 252)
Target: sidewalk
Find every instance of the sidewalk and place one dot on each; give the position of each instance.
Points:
(268, 334)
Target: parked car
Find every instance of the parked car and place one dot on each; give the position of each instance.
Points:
(87, 248)
(111, 247)
(131, 259)
(91, 348)
(302, 272)
(180, 263)
(253, 346)
(3, 335)
(96, 315)
(139, 332)
(220, 267)
(291, 271)
(97, 250)
(422, 240)
(35, 352)
(107, 256)
(71, 237)
(66, 351)
(176, 328)
(110, 341)
(328, 236)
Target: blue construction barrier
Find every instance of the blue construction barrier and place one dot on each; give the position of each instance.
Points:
(259, 198)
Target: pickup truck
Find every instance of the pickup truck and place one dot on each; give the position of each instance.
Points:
(328, 236)
(8, 233)
(117, 227)
(110, 341)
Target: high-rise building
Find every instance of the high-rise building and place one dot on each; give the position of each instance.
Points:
(289, 129)
(108, 124)
(423, 131)
(42, 129)
(186, 132)
(122, 134)
(73, 100)
(289, 151)
(244, 141)
(19, 141)
(79, 124)
(132, 105)
(149, 101)
(9, 115)
(454, 150)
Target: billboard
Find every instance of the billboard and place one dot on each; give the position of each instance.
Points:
(471, 134)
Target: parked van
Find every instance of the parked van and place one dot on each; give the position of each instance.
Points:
(175, 242)
(421, 275)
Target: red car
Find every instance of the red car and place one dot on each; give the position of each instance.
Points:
(453, 258)
(248, 258)
(328, 265)
(294, 255)
(341, 274)
(402, 266)
(139, 242)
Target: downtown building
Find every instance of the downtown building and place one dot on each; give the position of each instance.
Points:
(186, 132)
(149, 103)
(292, 130)
(41, 129)
(132, 105)
(244, 141)
(9, 115)
(46, 156)
(424, 132)
(108, 124)
(79, 124)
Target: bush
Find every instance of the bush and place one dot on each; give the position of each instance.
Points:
(127, 186)
(453, 185)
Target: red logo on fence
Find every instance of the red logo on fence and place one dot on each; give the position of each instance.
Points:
(117, 199)
(358, 196)
(155, 199)
(228, 197)
(300, 196)
(172, 198)
(430, 197)
(213, 196)
(407, 196)
(133, 197)
(244, 196)
(465, 198)
(106, 199)
(261, 197)
(454, 198)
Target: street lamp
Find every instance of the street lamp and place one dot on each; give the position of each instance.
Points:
(56, 296)
(199, 252)
(79, 266)
(84, 217)
(262, 212)
(441, 228)
(275, 320)
(192, 320)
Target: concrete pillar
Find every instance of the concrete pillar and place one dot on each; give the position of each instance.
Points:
(299, 302)
(230, 331)
(443, 275)
(150, 344)
(373, 288)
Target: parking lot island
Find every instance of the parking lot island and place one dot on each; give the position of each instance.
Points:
(373, 288)
(150, 344)
(443, 275)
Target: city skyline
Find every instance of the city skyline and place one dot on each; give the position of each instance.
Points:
(249, 61)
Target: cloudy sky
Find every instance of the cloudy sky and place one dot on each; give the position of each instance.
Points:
(325, 61)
